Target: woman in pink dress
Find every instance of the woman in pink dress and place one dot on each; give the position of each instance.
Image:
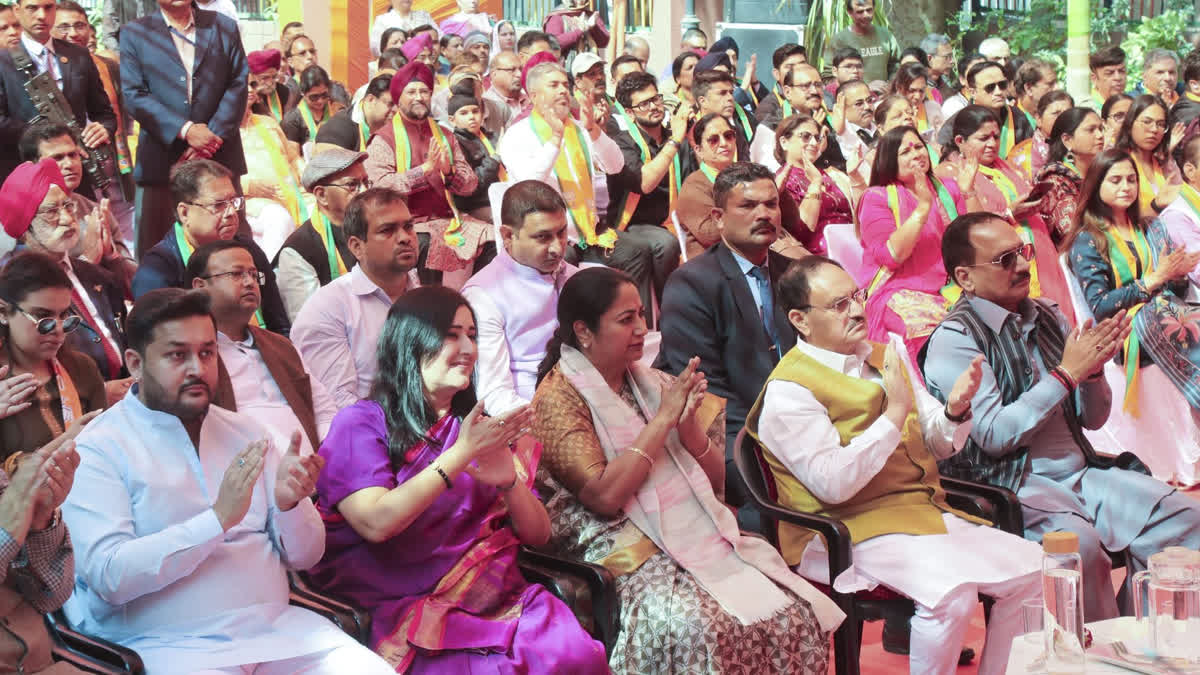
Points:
(901, 220)
(825, 195)
(1002, 189)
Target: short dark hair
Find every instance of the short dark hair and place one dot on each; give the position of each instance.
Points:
(29, 272)
(850, 3)
(444, 41)
(965, 62)
(530, 38)
(632, 84)
(197, 265)
(526, 197)
(705, 81)
(187, 177)
(159, 306)
(1189, 152)
(786, 52)
(677, 64)
(906, 75)
(1112, 55)
(622, 60)
(392, 58)
(36, 134)
(848, 84)
(844, 54)
(974, 71)
(423, 28)
(314, 76)
(738, 173)
(1191, 67)
(1050, 98)
(379, 85)
(71, 6)
(957, 249)
(354, 223)
(1030, 73)
(793, 289)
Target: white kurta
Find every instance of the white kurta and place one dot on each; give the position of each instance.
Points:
(798, 431)
(154, 570)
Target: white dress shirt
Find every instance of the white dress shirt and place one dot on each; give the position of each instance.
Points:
(797, 430)
(337, 331)
(528, 158)
(185, 44)
(297, 281)
(43, 55)
(154, 569)
(258, 394)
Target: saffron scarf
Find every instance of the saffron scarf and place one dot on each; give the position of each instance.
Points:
(275, 106)
(124, 157)
(893, 201)
(573, 168)
(478, 585)
(784, 104)
(1124, 264)
(292, 199)
(1150, 181)
(453, 235)
(633, 197)
(491, 150)
(306, 114)
(324, 228)
(676, 508)
(185, 253)
(68, 395)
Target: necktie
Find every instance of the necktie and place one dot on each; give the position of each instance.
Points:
(767, 308)
(110, 351)
(866, 136)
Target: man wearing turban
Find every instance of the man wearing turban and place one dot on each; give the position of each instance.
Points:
(418, 158)
(273, 97)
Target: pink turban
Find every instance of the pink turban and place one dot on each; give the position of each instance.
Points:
(415, 45)
(23, 192)
(536, 60)
(413, 71)
(263, 60)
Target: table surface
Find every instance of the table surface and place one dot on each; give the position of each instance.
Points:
(1026, 650)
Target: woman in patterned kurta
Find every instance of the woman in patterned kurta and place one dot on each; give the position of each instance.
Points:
(1076, 139)
(671, 621)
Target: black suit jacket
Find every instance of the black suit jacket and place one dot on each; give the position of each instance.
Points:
(81, 87)
(709, 311)
(107, 297)
(154, 84)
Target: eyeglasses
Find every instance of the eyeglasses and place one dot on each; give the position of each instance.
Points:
(1152, 124)
(649, 103)
(78, 27)
(52, 212)
(1008, 259)
(815, 84)
(238, 275)
(317, 98)
(221, 207)
(807, 137)
(842, 305)
(715, 139)
(991, 88)
(46, 326)
(352, 186)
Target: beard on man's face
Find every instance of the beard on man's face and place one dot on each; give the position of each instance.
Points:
(186, 406)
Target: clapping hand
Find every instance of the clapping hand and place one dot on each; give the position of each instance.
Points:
(1176, 134)
(896, 384)
(58, 467)
(481, 434)
(237, 485)
(965, 388)
(1091, 345)
(1172, 265)
(296, 477)
(16, 392)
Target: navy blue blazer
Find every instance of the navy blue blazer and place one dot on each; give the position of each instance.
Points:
(154, 84)
(81, 86)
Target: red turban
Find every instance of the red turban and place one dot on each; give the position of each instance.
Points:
(416, 44)
(263, 60)
(536, 60)
(413, 71)
(23, 192)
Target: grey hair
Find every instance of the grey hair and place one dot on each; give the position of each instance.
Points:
(1159, 54)
(987, 45)
(931, 42)
(632, 40)
(539, 72)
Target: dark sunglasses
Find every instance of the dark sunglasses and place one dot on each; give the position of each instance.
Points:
(714, 139)
(991, 88)
(47, 325)
(1008, 259)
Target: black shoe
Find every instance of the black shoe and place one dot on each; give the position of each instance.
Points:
(896, 634)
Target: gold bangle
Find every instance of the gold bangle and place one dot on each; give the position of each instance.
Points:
(707, 449)
(646, 457)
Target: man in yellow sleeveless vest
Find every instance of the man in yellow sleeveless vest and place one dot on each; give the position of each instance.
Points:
(846, 434)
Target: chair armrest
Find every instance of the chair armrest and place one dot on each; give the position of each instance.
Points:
(352, 619)
(550, 570)
(833, 531)
(91, 654)
(1006, 507)
(971, 504)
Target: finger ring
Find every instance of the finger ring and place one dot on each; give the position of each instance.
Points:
(241, 461)
(1099, 348)
(501, 422)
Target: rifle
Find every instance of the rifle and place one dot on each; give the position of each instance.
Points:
(48, 99)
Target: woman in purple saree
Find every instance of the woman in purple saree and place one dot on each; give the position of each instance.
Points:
(426, 506)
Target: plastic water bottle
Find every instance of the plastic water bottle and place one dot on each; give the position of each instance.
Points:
(1062, 598)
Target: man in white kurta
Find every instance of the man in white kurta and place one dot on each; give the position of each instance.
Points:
(164, 563)
(943, 571)
(515, 297)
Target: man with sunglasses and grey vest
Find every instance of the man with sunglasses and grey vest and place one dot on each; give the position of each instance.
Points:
(1042, 384)
(987, 85)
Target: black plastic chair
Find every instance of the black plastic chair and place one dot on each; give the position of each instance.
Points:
(87, 653)
(354, 620)
(985, 501)
(588, 589)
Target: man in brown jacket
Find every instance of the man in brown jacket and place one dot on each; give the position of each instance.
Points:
(259, 372)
